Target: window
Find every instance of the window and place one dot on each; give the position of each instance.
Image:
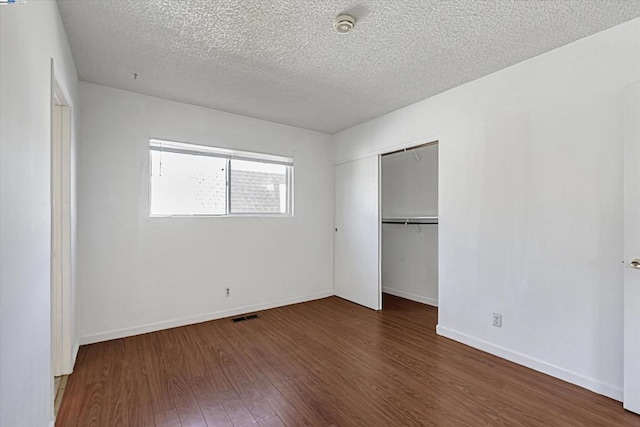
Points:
(188, 179)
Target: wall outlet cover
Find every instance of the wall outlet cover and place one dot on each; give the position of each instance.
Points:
(497, 320)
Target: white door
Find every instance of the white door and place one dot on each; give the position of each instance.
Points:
(357, 232)
(632, 249)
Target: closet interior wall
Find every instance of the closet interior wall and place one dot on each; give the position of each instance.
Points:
(410, 252)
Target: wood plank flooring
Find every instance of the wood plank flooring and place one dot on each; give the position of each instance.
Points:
(322, 363)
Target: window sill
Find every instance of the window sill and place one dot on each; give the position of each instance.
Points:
(223, 216)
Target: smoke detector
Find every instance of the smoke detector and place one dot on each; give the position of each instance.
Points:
(344, 23)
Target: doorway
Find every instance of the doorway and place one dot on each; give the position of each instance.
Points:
(409, 238)
(386, 227)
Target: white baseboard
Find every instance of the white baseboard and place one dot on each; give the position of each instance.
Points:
(158, 326)
(74, 354)
(592, 384)
(411, 296)
(68, 365)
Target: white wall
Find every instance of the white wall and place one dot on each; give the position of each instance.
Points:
(137, 273)
(410, 252)
(409, 186)
(530, 204)
(30, 35)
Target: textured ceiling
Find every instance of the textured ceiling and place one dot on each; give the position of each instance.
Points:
(281, 60)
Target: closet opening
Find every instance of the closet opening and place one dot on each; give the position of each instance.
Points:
(409, 227)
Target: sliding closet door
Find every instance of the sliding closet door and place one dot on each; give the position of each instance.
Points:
(357, 233)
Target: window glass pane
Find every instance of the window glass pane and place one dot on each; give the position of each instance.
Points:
(185, 184)
(258, 187)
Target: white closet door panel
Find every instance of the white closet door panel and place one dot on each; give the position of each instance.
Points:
(357, 236)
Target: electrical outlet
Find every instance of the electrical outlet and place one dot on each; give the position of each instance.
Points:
(497, 320)
(227, 292)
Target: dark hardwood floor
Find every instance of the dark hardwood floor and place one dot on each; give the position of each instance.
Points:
(326, 362)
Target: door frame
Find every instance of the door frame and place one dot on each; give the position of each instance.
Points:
(379, 231)
(62, 346)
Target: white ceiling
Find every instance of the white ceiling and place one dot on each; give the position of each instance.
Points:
(281, 60)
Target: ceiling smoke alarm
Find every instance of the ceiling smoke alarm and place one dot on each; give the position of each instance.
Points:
(344, 23)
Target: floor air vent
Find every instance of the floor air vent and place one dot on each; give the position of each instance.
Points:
(241, 318)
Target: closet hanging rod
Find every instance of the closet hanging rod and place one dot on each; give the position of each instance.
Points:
(415, 147)
(412, 220)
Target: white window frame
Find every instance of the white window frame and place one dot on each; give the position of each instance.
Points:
(229, 155)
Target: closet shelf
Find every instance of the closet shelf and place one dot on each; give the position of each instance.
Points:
(411, 220)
